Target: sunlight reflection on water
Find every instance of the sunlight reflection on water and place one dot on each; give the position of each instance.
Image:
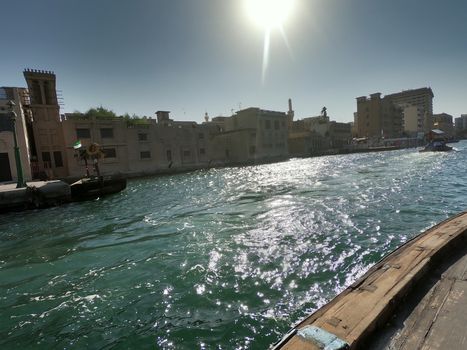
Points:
(228, 258)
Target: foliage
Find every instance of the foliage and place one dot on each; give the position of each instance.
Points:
(100, 112)
(104, 113)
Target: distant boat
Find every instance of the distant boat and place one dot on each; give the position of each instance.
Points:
(437, 142)
(437, 146)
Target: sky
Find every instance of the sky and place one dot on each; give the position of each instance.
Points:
(196, 56)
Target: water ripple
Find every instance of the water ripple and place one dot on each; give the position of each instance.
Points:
(224, 258)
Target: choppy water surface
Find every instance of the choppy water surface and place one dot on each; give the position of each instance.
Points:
(225, 259)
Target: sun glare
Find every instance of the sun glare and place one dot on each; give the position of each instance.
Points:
(269, 13)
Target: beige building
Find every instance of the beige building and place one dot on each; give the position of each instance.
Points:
(139, 147)
(422, 98)
(317, 135)
(45, 128)
(8, 168)
(414, 119)
(252, 134)
(133, 146)
(378, 117)
(461, 126)
(443, 121)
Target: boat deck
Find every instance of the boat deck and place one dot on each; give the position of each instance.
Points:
(439, 321)
(415, 298)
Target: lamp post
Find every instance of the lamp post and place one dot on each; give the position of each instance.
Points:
(19, 168)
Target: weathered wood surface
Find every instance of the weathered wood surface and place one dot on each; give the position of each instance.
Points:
(440, 319)
(367, 304)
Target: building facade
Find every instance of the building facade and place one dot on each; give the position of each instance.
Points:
(443, 121)
(422, 98)
(461, 126)
(45, 128)
(8, 167)
(378, 117)
(250, 135)
(139, 147)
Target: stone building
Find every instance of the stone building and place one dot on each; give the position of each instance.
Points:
(132, 146)
(378, 117)
(318, 135)
(8, 172)
(45, 128)
(251, 135)
(139, 146)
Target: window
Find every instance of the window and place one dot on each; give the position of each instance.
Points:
(283, 124)
(252, 150)
(267, 124)
(145, 154)
(46, 159)
(82, 133)
(201, 136)
(58, 159)
(202, 151)
(107, 133)
(109, 152)
(186, 153)
(142, 137)
(276, 125)
(169, 155)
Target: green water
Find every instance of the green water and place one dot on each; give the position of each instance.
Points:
(220, 259)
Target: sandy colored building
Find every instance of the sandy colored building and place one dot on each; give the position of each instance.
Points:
(139, 146)
(378, 117)
(251, 135)
(414, 119)
(45, 129)
(422, 98)
(8, 168)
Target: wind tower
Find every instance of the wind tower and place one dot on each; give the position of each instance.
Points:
(49, 154)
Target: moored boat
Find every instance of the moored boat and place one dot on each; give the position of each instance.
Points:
(98, 186)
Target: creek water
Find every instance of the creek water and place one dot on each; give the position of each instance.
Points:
(216, 259)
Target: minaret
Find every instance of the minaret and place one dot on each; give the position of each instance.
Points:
(290, 114)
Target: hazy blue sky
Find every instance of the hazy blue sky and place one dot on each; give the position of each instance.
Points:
(197, 56)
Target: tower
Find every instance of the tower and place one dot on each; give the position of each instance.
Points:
(290, 114)
(48, 153)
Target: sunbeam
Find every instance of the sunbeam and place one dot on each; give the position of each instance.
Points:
(267, 40)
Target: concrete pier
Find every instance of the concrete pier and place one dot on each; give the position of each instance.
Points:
(36, 194)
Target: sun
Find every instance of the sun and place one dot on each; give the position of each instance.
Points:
(269, 13)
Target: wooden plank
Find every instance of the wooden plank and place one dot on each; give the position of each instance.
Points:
(449, 328)
(419, 323)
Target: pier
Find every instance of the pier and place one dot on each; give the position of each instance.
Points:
(36, 194)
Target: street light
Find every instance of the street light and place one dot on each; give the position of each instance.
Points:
(19, 168)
